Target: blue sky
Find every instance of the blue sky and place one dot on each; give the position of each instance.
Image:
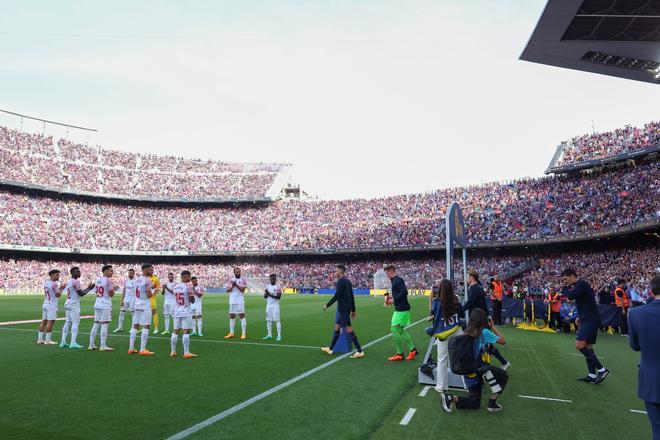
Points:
(365, 98)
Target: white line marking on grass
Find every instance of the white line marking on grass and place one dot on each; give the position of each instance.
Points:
(545, 398)
(520, 349)
(581, 355)
(636, 411)
(424, 391)
(35, 321)
(409, 415)
(234, 409)
(195, 340)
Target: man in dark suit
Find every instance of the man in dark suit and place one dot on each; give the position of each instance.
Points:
(345, 311)
(644, 336)
(476, 297)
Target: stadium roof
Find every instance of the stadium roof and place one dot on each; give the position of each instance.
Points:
(611, 37)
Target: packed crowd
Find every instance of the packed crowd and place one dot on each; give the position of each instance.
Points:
(599, 268)
(611, 143)
(635, 265)
(419, 274)
(526, 209)
(37, 159)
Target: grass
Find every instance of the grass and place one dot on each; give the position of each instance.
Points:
(58, 393)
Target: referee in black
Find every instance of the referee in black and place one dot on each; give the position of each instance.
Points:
(580, 291)
(345, 311)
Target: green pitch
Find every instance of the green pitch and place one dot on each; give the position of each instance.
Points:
(48, 392)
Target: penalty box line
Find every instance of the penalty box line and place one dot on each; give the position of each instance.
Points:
(260, 344)
(234, 409)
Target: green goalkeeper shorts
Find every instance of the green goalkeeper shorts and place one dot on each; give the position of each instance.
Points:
(402, 319)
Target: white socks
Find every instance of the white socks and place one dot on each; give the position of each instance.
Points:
(74, 333)
(269, 325)
(199, 326)
(92, 334)
(65, 331)
(232, 325)
(167, 323)
(48, 336)
(40, 338)
(132, 334)
(186, 344)
(243, 325)
(120, 324)
(144, 338)
(173, 340)
(104, 334)
(278, 324)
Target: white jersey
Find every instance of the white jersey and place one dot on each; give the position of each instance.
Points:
(51, 289)
(71, 290)
(169, 296)
(103, 287)
(198, 290)
(235, 295)
(273, 290)
(129, 289)
(181, 296)
(143, 285)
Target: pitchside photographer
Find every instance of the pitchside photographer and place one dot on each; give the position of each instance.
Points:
(479, 333)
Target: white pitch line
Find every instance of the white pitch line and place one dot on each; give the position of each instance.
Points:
(234, 409)
(261, 344)
(636, 411)
(545, 398)
(581, 355)
(35, 321)
(424, 391)
(409, 415)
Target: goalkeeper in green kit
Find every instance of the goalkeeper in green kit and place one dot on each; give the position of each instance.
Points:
(401, 317)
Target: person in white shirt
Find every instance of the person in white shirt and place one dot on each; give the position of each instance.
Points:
(273, 294)
(168, 306)
(72, 307)
(105, 290)
(183, 297)
(196, 307)
(144, 290)
(52, 292)
(236, 287)
(127, 299)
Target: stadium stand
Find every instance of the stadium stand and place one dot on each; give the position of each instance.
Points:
(36, 160)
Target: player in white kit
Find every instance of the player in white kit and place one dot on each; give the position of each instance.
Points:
(105, 290)
(236, 287)
(144, 290)
(183, 297)
(168, 307)
(72, 306)
(199, 291)
(52, 292)
(273, 294)
(127, 299)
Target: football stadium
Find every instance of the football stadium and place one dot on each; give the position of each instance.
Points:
(350, 220)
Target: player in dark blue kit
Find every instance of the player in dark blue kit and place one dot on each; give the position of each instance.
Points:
(345, 311)
(582, 294)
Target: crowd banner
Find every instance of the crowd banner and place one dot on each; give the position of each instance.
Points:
(513, 308)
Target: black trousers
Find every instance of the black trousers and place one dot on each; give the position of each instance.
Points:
(555, 320)
(623, 321)
(497, 312)
(499, 378)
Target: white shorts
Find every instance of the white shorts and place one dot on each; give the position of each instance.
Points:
(73, 312)
(184, 322)
(168, 308)
(49, 313)
(102, 315)
(142, 317)
(236, 308)
(196, 311)
(129, 302)
(272, 312)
